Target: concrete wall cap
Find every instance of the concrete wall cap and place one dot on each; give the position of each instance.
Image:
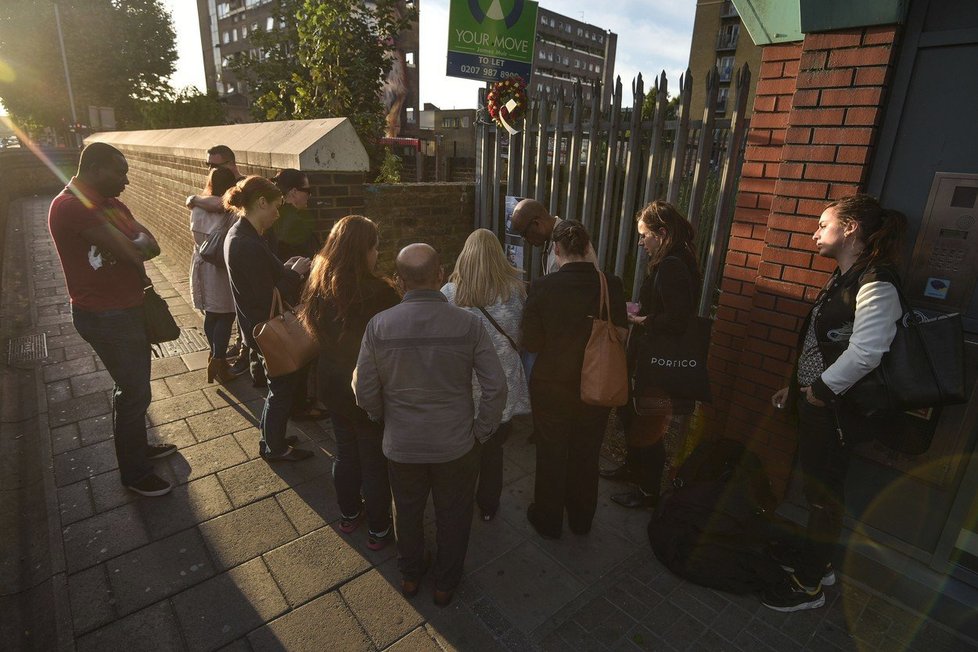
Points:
(329, 144)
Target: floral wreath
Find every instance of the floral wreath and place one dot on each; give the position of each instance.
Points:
(500, 95)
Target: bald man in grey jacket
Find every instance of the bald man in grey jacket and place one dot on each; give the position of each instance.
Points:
(414, 373)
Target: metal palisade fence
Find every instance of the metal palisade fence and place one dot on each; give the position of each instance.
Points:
(600, 165)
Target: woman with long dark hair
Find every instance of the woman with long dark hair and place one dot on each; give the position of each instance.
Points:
(255, 273)
(487, 285)
(843, 338)
(668, 300)
(557, 325)
(209, 285)
(343, 293)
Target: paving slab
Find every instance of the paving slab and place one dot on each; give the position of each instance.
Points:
(92, 602)
(153, 628)
(314, 564)
(95, 429)
(65, 438)
(77, 409)
(367, 593)
(227, 607)
(214, 423)
(247, 532)
(310, 505)
(527, 587)
(178, 407)
(418, 640)
(97, 381)
(164, 367)
(205, 458)
(323, 624)
(103, 536)
(85, 462)
(75, 502)
(156, 571)
(191, 503)
(257, 479)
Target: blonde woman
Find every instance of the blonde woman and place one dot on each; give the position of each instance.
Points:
(485, 284)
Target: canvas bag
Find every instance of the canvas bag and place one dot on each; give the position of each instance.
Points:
(604, 373)
(285, 343)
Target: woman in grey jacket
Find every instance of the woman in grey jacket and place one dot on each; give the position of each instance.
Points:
(485, 284)
(846, 333)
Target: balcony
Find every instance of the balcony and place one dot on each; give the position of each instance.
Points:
(728, 10)
(727, 40)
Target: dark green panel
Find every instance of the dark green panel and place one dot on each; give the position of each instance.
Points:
(828, 15)
(770, 21)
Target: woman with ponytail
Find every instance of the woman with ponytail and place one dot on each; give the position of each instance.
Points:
(556, 325)
(255, 273)
(668, 299)
(844, 337)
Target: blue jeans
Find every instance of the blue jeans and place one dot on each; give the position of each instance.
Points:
(119, 340)
(360, 466)
(217, 328)
(275, 416)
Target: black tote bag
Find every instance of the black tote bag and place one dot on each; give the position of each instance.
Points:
(677, 364)
(160, 324)
(924, 367)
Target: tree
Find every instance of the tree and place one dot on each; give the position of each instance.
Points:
(187, 108)
(119, 52)
(324, 60)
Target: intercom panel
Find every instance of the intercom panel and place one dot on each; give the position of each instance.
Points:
(945, 259)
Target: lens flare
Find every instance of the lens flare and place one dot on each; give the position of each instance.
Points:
(7, 73)
(26, 141)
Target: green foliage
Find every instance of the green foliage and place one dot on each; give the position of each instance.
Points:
(648, 106)
(390, 168)
(325, 60)
(187, 108)
(119, 53)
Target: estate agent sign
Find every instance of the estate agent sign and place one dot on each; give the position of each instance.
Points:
(491, 40)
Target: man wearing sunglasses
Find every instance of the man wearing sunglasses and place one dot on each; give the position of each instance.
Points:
(218, 156)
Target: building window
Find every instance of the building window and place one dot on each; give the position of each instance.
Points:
(409, 59)
(580, 31)
(539, 88)
(223, 9)
(465, 122)
(550, 56)
(568, 28)
(226, 38)
(566, 61)
(543, 20)
(553, 22)
(601, 38)
(270, 24)
(577, 63)
(244, 31)
(722, 94)
(234, 34)
(725, 67)
(410, 115)
(597, 68)
(541, 55)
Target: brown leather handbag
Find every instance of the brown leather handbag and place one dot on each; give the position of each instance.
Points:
(604, 374)
(285, 342)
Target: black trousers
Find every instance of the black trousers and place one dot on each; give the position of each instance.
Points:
(452, 486)
(568, 438)
(824, 462)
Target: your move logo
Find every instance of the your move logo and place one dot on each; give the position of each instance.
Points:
(495, 12)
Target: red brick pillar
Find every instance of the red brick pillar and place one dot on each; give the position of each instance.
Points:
(818, 107)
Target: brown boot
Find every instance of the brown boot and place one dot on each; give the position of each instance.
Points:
(218, 368)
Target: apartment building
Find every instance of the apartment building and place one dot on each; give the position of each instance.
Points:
(719, 39)
(568, 50)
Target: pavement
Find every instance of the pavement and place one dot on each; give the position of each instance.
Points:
(243, 555)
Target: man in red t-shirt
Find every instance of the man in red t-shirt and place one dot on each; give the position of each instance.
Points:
(102, 250)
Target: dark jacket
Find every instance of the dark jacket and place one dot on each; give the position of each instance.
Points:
(836, 316)
(254, 272)
(339, 340)
(557, 325)
(669, 296)
(295, 233)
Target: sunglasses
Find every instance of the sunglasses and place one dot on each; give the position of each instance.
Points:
(212, 166)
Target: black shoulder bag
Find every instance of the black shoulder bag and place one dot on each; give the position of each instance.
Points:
(212, 249)
(160, 324)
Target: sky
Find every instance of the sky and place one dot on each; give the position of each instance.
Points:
(653, 35)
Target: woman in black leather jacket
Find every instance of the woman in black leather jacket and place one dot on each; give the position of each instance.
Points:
(844, 337)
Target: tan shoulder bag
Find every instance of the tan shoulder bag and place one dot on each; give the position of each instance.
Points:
(284, 341)
(604, 374)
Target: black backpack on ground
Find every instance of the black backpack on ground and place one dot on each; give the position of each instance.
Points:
(712, 527)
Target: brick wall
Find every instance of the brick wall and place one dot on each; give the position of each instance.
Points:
(440, 214)
(817, 110)
(159, 184)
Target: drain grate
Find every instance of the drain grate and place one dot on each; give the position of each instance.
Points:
(191, 340)
(27, 348)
